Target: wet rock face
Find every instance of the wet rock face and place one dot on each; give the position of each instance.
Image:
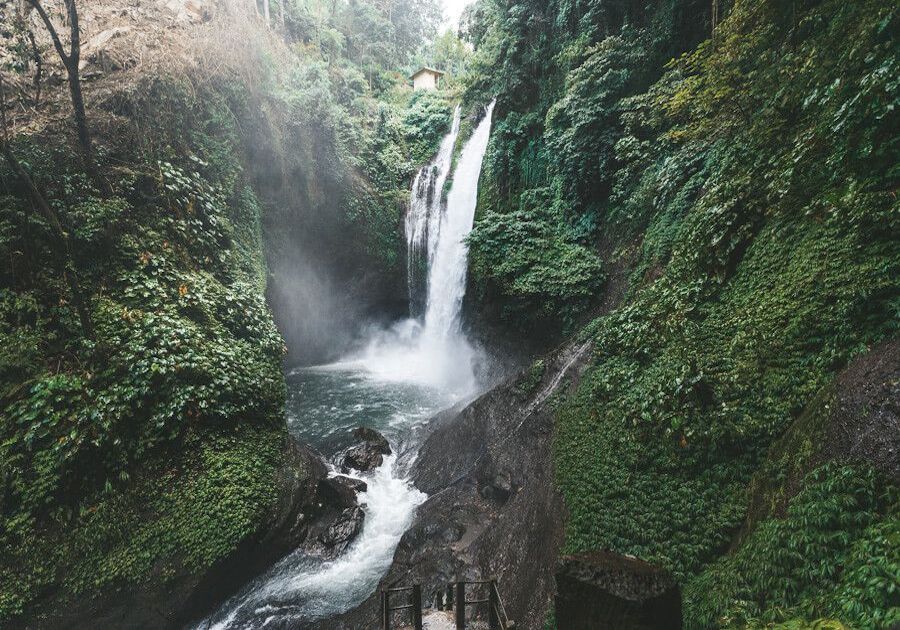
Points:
(604, 590)
(368, 455)
(339, 519)
(341, 491)
(863, 417)
(497, 487)
(338, 536)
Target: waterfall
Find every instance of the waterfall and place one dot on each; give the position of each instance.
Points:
(431, 349)
(423, 217)
(404, 376)
(449, 261)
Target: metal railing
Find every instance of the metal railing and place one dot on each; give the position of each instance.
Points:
(452, 599)
(415, 605)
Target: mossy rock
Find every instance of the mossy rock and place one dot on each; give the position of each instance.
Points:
(191, 528)
(855, 418)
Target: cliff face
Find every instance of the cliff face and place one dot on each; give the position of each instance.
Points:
(146, 463)
(747, 188)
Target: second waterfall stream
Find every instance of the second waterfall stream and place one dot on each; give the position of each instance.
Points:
(400, 379)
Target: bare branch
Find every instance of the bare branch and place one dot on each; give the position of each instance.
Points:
(4, 137)
(48, 23)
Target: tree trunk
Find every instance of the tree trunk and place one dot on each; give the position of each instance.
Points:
(84, 135)
(39, 67)
(61, 244)
(715, 16)
(71, 61)
(266, 10)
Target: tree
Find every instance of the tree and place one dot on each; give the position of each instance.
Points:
(60, 242)
(24, 54)
(450, 53)
(71, 61)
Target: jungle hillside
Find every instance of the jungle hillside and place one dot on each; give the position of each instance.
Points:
(283, 328)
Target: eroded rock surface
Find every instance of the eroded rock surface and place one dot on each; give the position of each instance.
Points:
(368, 455)
(607, 591)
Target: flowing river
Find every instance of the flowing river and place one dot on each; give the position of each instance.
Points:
(398, 379)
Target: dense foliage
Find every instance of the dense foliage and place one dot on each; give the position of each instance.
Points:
(834, 552)
(184, 343)
(148, 448)
(744, 185)
(537, 259)
(558, 125)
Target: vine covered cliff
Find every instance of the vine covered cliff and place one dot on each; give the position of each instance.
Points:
(734, 176)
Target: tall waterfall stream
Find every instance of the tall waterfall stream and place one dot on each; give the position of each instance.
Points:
(400, 379)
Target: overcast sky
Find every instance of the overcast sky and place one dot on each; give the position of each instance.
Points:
(452, 10)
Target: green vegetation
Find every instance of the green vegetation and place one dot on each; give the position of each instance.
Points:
(146, 450)
(179, 515)
(737, 176)
(536, 260)
(426, 121)
(835, 552)
(745, 183)
(186, 356)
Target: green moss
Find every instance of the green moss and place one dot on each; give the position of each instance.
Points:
(185, 510)
(834, 554)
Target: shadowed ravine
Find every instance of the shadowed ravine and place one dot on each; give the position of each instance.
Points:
(397, 381)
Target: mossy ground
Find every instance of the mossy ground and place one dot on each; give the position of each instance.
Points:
(186, 509)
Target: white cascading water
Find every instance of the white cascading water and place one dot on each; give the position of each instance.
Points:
(449, 260)
(405, 375)
(435, 352)
(423, 220)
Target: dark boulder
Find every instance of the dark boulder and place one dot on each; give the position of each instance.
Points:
(338, 536)
(340, 491)
(374, 438)
(603, 590)
(358, 485)
(366, 456)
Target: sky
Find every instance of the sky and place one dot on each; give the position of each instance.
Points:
(452, 10)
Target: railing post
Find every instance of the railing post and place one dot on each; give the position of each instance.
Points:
(460, 606)
(385, 611)
(417, 606)
(493, 606)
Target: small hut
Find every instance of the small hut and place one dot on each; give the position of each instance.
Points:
(426, 79)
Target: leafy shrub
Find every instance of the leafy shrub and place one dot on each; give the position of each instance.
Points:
(426, 121)
(834, 554)
(583, 125)
(537, 264)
